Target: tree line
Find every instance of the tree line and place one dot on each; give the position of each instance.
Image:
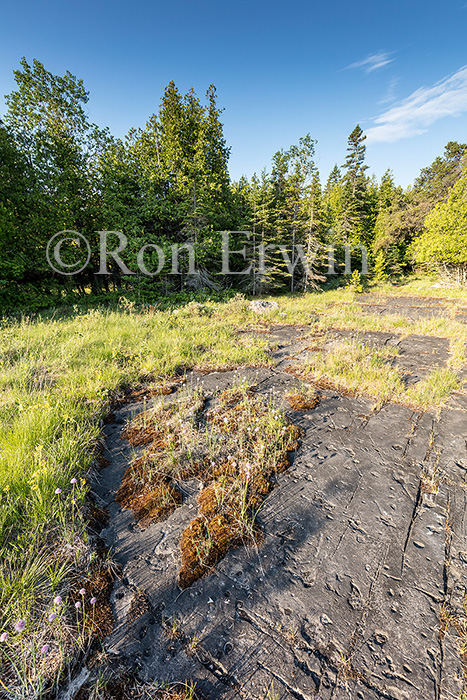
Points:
(169, 183)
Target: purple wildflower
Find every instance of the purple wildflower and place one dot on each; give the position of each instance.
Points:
(52, 617)
(77, 605)
(45, 649)
(82, 591)
(74, 481)
(20, 626)
(58, 491)
(93, 601)
(3, 637)
(58, 600)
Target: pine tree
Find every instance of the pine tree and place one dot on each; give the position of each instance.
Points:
(434, 182)
(354, 162)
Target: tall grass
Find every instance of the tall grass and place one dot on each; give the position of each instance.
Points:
(361, 370)
(57, 380)
(59, 376)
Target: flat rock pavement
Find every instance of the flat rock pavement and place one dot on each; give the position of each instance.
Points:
(354, 592)
(413, 307)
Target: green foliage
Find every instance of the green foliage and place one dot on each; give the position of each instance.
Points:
(357, 205)
(354, 162)
(168, 183)
(350, 200)
(15, 179)
(434, 182)
(356, 282)
(444, 239)
(284, 208)
(47, 127)
(379, 268)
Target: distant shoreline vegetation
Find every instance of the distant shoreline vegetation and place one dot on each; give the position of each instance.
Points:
(168, 184)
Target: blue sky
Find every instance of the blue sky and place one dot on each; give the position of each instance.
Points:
(281, 69)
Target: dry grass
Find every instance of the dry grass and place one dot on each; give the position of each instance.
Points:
(60, 376)
(305, 400)
(356, 369)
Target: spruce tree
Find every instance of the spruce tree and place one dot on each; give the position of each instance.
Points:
(356, 220)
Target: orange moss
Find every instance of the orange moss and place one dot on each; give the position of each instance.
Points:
(99, 617)
(204, 543)
(137, 435)
(251, 445)
(299, 402)
(148, 500)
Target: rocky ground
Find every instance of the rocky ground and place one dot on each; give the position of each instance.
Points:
(413, 307)
(357, 589)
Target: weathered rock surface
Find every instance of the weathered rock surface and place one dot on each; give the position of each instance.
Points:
(413, 307)
(362, 561)
(260, 306)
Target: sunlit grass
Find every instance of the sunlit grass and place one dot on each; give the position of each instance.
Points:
(420, 286)
(59, 377)
(57, 380)
(433, 391)
(337, 309)
(358, 369)
(352, 367)
(236, 449)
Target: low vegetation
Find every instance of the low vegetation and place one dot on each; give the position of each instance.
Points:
(236, 449)
(355, 368)
(60, 375)
(122, 686)
(58, 379)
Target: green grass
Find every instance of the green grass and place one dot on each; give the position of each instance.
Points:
(337, 309)
(58, 379)
(433, 391)
(420, 286)
(357, 369)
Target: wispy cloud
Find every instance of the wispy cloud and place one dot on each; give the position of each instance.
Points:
(390, 94)
(415, 114)
(377, 60)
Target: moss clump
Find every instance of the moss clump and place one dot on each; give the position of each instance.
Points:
(301, 402)
(235, 448)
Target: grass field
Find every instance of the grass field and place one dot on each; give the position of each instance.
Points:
(59, 376)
